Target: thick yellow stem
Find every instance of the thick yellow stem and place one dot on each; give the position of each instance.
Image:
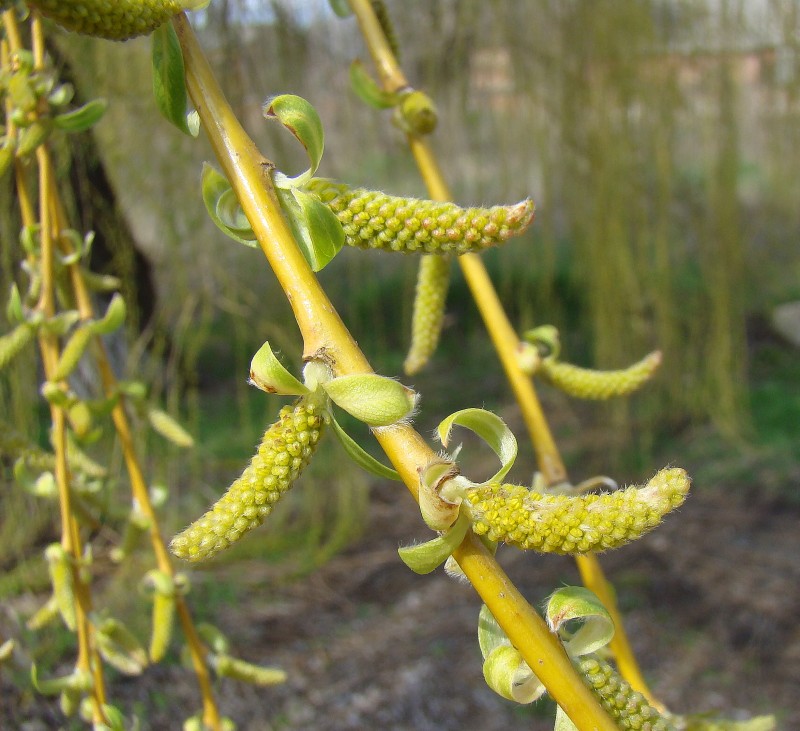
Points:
(322, 328)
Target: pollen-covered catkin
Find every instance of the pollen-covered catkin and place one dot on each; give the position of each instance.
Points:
(599, 385)
(628, 708)
(284, 452)
(569, 524)
(374, 220)
(115, 20)
(428, 315)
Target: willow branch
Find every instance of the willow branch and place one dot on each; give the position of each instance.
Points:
(506, 343)
(324, 331)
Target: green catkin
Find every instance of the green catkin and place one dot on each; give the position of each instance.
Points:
(12, 343)
(285, 450)
(629, 708)
(570, 524)
(59, 563)
(115, 20)
(374, 220)
(426, 321)
(163, 622)
(599, 385)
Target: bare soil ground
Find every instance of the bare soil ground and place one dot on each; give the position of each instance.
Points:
(711, 601)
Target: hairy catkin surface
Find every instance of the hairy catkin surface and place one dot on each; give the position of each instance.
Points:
(284, 452)
(115, 20)
(568, 524)
(374, 220)
(599, 385)
(429, 301)
(628, 708)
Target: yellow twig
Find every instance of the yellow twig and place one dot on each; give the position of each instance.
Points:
(323, 330)
(139, 488)
(505, 341)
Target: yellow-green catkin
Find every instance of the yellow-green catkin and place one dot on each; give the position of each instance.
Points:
(375, 220)
(12, 343)
(628, 708)
(115, 20)
(599, 385)
(433, 279)
(570, 524)
(285, 450)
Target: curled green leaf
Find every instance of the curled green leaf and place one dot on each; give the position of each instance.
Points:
(114, 317)
(489, 427)
(504, 669)
(224, 209)
(302, 120)
(578, 604)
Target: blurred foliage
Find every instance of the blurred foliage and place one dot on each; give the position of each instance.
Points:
(659, 140)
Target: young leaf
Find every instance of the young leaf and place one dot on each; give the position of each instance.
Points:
(367, 89)
(73, 351)
(316, 229)
(508, 675)
(82, 118)
(169, 86)
(14, 311)
(504, 670)
(425, 557)
(362, 458)
(268, 374)
(79, 681)
(219, 198)
(341, 8)
(373, 399)
(579, 604)
(114, 317)
(491, 428)
(302, 120)
(119, 647)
